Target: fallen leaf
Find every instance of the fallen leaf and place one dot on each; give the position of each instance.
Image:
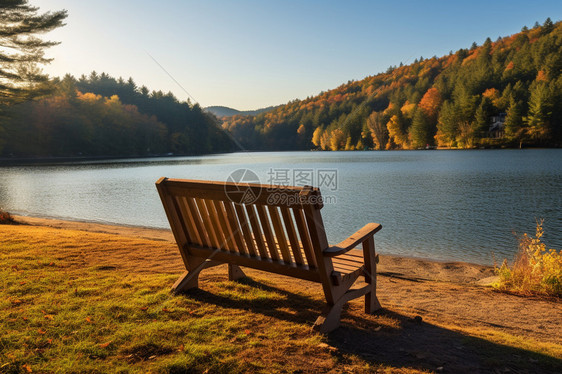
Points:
(181, 348)
(48, 316)
(232, 340)
(88, 319)
(105, 345)
(144, 308)
(247, 332)
(49, 341)
(27, 368)
(41, 331)
(22, 283)
(166, 310)
(17, 302)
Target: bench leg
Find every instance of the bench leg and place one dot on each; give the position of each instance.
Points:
(187, 281)
(329, 320)
(371, 301)
(235, 273)
(190, 279)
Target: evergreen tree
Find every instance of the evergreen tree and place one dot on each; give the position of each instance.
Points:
(20, 23)
(514, 126)
(538, 117)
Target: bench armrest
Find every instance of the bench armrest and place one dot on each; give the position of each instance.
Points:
(353, 241)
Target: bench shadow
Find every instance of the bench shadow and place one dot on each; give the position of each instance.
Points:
(406, 343)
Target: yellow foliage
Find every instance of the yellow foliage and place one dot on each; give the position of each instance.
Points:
(408, 109)
(536, 269)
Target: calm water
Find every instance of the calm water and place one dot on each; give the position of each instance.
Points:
(447, 205)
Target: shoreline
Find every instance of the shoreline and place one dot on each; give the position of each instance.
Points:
(394, 266)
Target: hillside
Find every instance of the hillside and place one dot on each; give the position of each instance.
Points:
(223, 111)
(502, 93)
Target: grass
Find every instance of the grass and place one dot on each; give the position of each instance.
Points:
(536, 269)
(64, 308)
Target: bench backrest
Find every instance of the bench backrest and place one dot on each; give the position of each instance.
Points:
(277, 224)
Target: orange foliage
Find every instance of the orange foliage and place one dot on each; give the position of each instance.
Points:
(491, 93)
(541, 76)
(509, 66)
(430, 102)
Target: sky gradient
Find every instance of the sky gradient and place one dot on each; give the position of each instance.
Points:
(252, 54)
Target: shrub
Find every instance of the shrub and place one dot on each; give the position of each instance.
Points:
(6, 218)
(536, 270)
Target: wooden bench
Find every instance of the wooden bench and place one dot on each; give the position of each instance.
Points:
(278, 230)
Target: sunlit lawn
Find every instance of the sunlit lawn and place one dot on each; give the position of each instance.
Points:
(62, 311)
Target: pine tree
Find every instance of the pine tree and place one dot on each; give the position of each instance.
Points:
(514, 127)
(20, 24)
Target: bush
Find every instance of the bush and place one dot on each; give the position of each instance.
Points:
(6, 218)
(536, 270)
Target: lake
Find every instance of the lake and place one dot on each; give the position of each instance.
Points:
(444, 205)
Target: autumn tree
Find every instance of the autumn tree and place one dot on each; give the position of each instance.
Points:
(430, 103)
(379, 132)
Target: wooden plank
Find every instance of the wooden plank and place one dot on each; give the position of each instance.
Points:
(246, 229)
(225, 228)
(305, 239)
(213, 217)
(284, 195)
(257, 231)
(189, 220)
(270, 265)
(319, 241)
(197, 220)
(266, 227)
(280, 234)
(235, 227)
(292, 234)
(206, 220)
(176, 223)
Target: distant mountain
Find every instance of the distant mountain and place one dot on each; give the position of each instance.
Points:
(503, 93)
(223, 111)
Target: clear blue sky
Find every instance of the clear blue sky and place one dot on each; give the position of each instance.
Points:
(251, 54)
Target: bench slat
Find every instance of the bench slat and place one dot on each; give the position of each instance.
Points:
(235, 227)
(305, 238)
(197, 220)
(266, 227)
(280, 234)
(292, 234)
(217, 205)
(207, 223)
(246, 229)
(257, 231)
(188, 220)
(273, 266)
(214, 221)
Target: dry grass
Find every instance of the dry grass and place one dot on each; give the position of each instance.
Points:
(536, 270)
(75, 301)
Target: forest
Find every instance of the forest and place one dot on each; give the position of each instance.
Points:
(503, 93)
(100, 116)
(446, 102)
